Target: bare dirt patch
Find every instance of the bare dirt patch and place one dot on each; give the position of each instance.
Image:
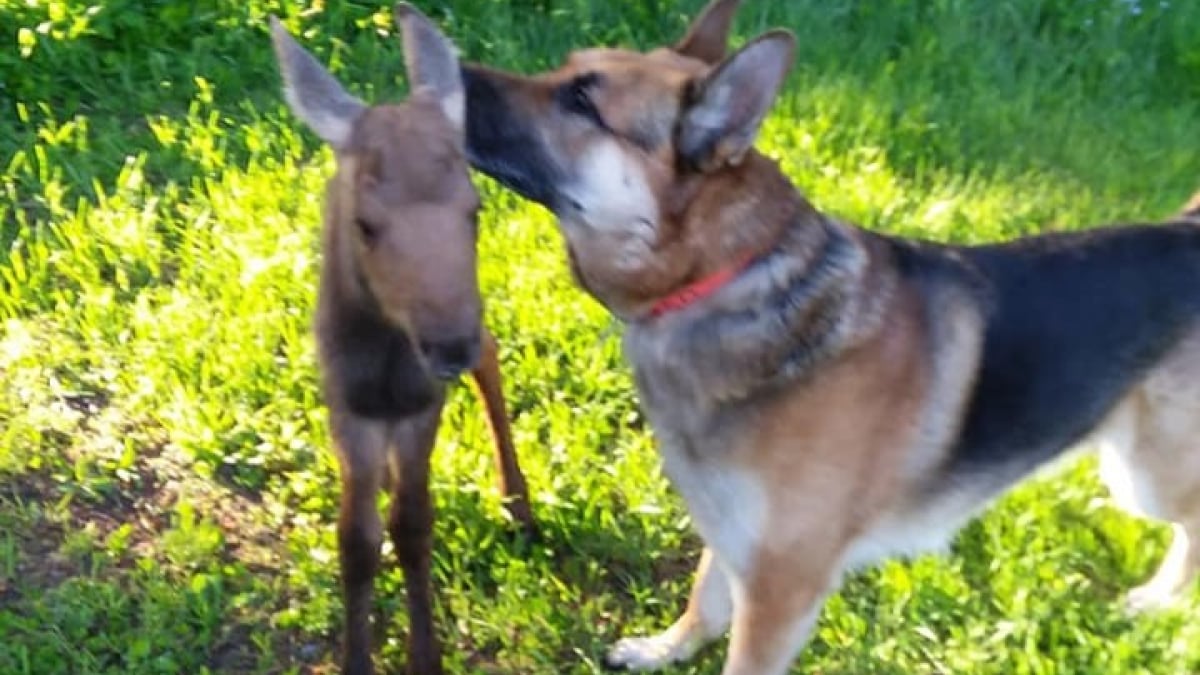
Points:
(40, 512)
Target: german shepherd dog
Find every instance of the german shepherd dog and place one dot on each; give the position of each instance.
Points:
(825, 396)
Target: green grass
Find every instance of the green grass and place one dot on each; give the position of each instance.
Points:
(166, 493)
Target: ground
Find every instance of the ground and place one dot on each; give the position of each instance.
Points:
(166, 491)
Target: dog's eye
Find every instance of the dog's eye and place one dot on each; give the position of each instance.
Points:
(581, 100)
(576, 98)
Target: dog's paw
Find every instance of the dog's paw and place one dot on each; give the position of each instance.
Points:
(643, 653)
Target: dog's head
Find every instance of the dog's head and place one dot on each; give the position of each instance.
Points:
(645, 158)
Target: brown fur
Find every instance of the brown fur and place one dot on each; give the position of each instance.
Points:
(398, 314)
(413, 191)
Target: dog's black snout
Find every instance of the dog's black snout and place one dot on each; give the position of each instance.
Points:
(449, 358)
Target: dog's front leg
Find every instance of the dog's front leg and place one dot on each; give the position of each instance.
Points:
(775, 614)
(707, 616)
(768, 633)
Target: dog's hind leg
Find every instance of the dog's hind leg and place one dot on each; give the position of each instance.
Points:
(707, 616)
(360, 449)
(410, 524)
(1138, 483)
(490, 387)
(1174, 575)
(1151, 464)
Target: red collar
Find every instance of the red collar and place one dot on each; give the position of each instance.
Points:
(700, 289)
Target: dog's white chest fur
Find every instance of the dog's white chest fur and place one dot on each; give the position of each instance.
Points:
(727, 503)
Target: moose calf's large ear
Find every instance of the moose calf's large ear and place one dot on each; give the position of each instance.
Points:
(312, 93)
(708, 35)
(431, 62)
(726, 109)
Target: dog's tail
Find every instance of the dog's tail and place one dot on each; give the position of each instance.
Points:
(1191, 210)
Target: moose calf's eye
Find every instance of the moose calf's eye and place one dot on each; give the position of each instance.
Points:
(368, 231)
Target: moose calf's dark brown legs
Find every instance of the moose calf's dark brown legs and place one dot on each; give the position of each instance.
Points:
(360, 445)
(410, 524)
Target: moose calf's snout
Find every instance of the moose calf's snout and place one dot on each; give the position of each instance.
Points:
(449, 358)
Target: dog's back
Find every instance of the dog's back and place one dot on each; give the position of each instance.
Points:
(1099, 307)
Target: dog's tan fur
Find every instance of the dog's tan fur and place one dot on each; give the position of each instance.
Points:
(810, 411)
(836, 468)
(1150, 463)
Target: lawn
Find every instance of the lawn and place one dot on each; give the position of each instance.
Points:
(167, 496)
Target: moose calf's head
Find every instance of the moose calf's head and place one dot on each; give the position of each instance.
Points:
(400, 230)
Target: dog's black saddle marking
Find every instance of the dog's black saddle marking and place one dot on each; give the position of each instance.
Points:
(1072, 322)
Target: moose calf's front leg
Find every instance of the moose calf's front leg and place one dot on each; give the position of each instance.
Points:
(360, 455)
(410, 523)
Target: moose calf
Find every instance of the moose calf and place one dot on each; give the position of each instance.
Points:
(398, 314)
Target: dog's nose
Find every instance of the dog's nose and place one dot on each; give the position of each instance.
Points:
(449, 358)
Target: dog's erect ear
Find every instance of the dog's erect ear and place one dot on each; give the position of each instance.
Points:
(725, 109)
(311, 92)
(432, 62)
(709, 33)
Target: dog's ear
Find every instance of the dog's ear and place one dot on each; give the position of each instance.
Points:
(432, 62)
(708, 35)
(725, 109)
(312, 93)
